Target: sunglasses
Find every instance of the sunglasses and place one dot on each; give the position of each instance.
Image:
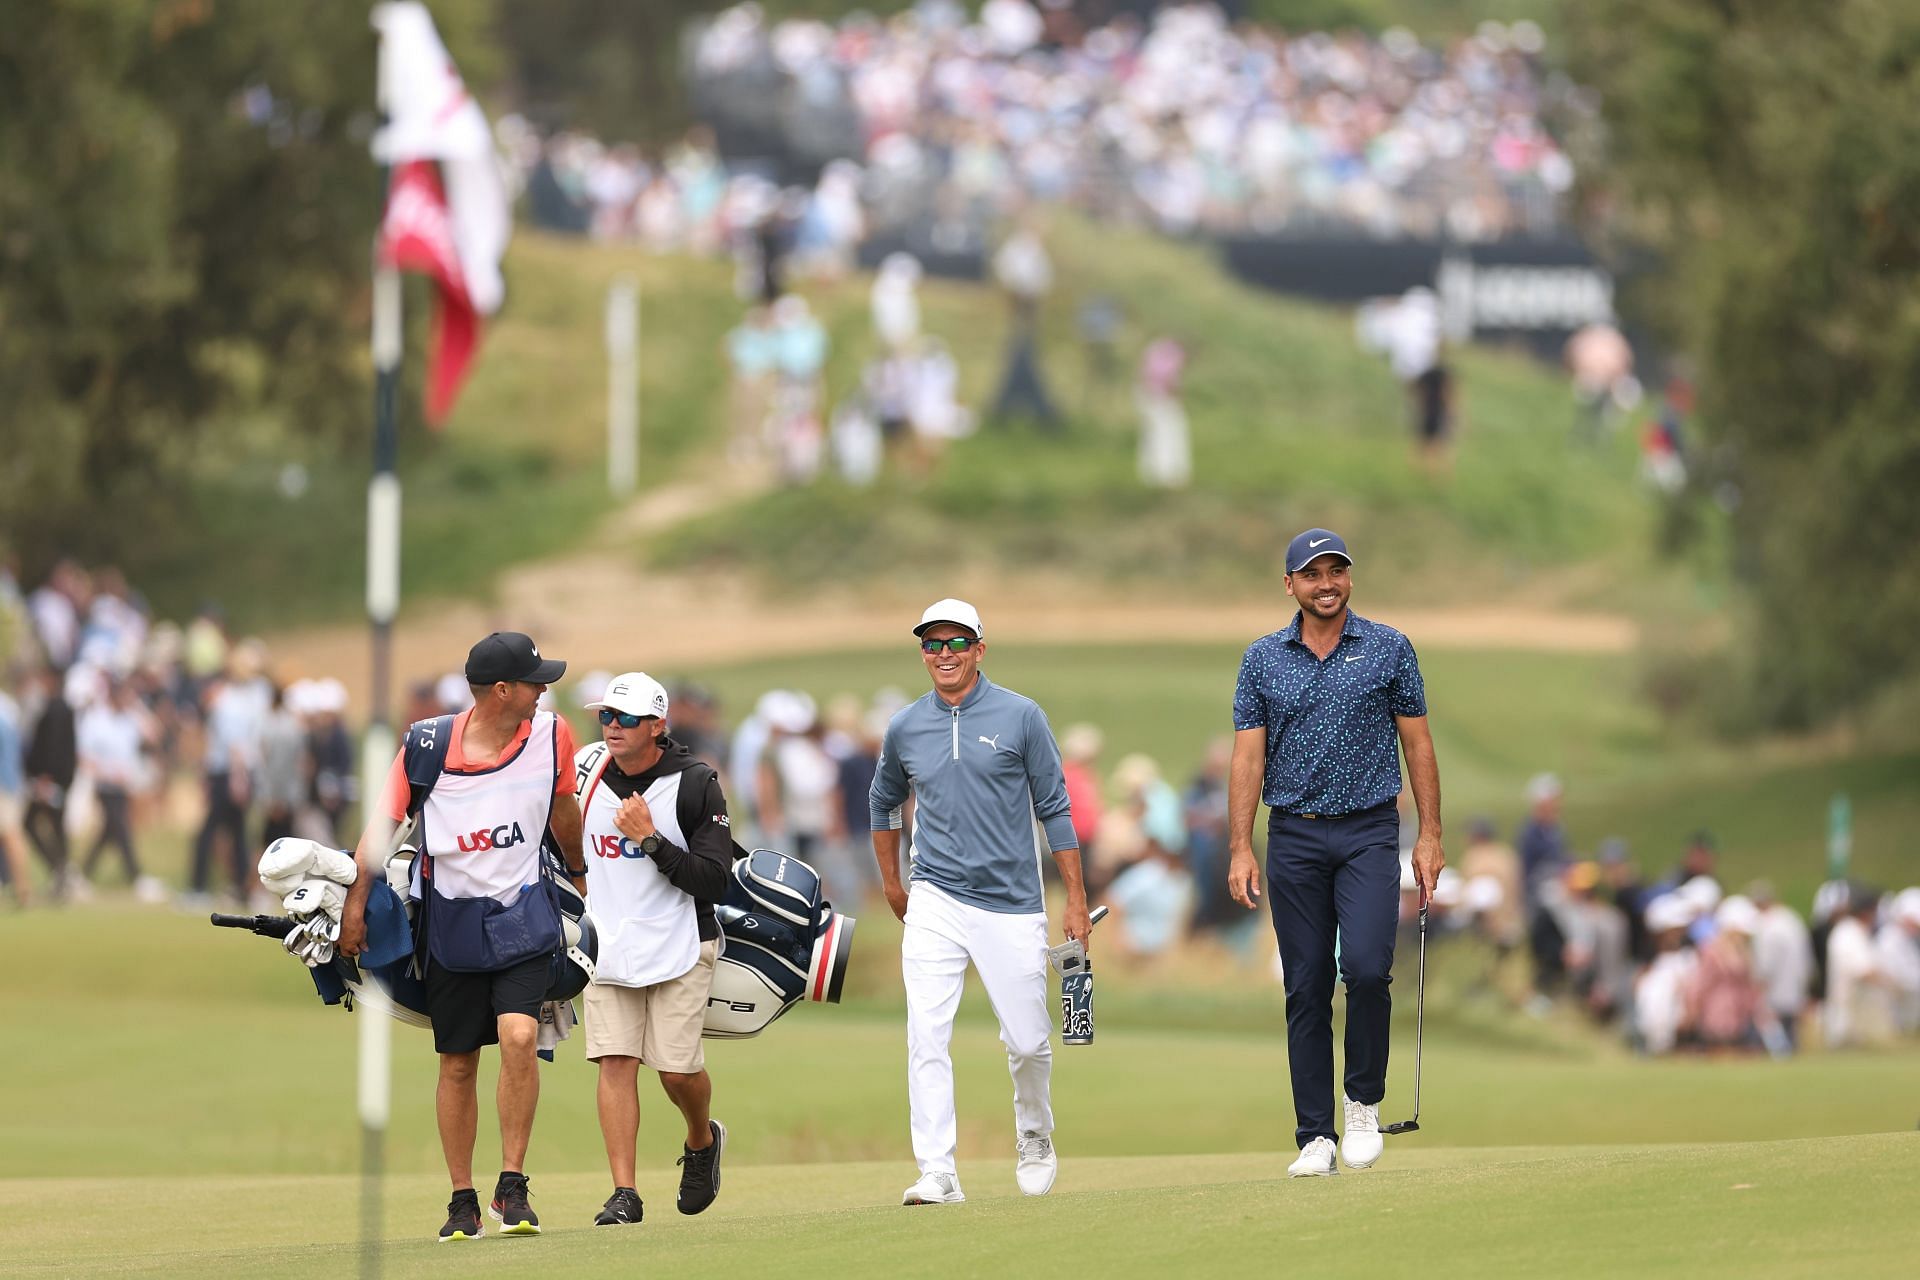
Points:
(959, 644)
(626, 720)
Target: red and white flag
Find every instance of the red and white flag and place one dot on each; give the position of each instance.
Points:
(447, 214)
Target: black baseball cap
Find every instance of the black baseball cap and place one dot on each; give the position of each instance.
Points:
(511, 655)
(1312, 544)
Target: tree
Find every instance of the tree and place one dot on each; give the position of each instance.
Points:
(607, 67)
(1764, 149)
(186, 209)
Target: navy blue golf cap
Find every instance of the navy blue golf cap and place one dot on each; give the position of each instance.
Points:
(1312, 543)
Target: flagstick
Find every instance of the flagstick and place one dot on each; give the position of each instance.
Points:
(383, 602)
(623, 386)
(383, 599)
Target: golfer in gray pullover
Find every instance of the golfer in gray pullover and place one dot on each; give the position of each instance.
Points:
(981, 764)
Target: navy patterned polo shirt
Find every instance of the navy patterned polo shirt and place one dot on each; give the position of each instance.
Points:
(1331, 744)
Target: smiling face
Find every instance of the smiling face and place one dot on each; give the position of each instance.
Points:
(953, 673)
(1322, 585)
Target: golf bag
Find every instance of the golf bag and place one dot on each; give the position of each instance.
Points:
(781, 944)
(390, 948)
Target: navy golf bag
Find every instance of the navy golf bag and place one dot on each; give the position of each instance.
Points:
(782, 944)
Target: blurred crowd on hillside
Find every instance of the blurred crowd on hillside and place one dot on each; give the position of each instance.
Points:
(933, 139)
(906, 407)
(114, 724)
(1674, 961)
(1179, 119)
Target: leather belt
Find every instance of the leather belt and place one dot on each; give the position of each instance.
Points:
(1328, 817)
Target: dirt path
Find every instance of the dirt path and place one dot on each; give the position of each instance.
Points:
(596, 608)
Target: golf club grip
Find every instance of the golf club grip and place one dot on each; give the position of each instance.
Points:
(265, 926)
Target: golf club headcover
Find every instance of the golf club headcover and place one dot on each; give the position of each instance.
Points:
(316, 898)
(1068, 956)
(288, 861)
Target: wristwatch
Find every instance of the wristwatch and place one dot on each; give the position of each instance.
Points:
(653, 844)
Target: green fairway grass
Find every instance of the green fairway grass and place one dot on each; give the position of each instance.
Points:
(1793, 1208)
(181, 1103)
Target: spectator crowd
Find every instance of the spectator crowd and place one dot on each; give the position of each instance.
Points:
(1676, 963)
(930, 122)
(933, 134)
(1178, 119)
(113, 723)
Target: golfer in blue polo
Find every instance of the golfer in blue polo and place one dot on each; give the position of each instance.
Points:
(1321, 712)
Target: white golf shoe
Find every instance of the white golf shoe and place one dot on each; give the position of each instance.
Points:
(935, 1188)
(1038, 1164)
(1316, 1161)
(1360, 1141)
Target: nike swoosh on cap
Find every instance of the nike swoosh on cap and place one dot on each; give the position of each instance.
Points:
(1315, 544)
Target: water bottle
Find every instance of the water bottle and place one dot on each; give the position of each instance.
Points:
(1075, 967)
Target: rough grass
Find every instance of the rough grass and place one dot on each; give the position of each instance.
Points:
(1292, 425)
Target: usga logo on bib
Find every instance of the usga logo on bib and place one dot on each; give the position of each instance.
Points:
(614, 847)
(498, 838)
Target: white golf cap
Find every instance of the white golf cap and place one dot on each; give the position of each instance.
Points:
(1669, 911)
(958, 612)
(1738, 915)
(1702, 893)
(636, 693)
(790, 710)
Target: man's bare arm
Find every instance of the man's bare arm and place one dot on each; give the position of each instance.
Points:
(1246, 775)
(1423, 774)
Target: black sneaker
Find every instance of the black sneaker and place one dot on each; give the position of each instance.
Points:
(517, 1217)
(700, 1171)
(463, 1217)
(622, 1207)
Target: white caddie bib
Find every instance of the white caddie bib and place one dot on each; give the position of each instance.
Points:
(649, 931)
(483, 829)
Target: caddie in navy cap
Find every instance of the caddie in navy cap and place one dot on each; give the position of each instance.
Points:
(1315, 542)
(511, 656)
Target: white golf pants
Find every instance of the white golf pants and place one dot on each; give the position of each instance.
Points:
(1010, 954)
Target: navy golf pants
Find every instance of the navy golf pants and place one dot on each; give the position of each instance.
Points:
(1326, 875)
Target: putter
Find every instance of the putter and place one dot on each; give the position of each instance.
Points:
(1419, 1027)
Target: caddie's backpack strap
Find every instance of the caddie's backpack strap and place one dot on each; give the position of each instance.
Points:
(589, 766)
(423, 756)
(691, 805)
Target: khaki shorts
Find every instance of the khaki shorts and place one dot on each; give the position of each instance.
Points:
(10, 812)
(660, 1025)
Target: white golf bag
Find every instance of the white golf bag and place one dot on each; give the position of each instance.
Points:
(781, 944)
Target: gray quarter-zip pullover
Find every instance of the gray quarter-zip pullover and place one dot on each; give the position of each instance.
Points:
(980, 773)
